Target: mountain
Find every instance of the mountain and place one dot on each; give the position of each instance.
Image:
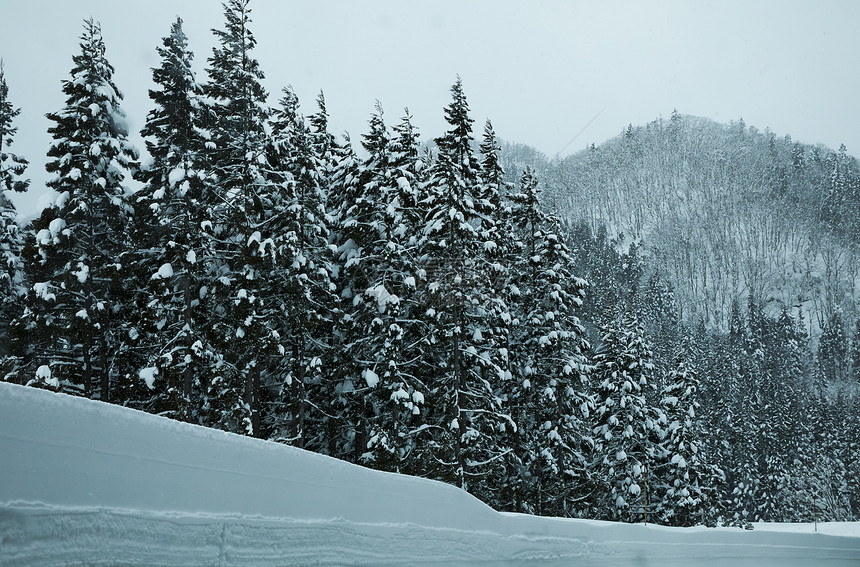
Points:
(723, 212)
(151, 491)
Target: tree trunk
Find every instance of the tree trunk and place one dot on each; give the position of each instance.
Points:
(252, 398)
(103, 355)
(187, 374)
(297, 393)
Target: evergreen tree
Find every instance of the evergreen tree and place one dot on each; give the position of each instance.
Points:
(836, 191)
(12, 168)
(786, 365)
(855, 351)
(329, 151)
(623, 423)
(79, 303)
(688, 481)
(377, 255)
(305, 307)
(461, 349)
(833, 349)
(548, 400)
(659, 312)
(174, 210)
(243, 226)
(238, 112)
(613, 275)
(489, 195)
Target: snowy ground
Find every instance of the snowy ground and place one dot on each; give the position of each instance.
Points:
(84, 483)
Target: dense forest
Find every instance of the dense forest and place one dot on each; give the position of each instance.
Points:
(659, 325)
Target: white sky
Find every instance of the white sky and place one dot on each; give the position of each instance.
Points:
(540, 69)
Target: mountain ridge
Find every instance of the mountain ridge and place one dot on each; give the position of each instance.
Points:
(722, 211)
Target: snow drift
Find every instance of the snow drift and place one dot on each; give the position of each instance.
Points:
(86, 483)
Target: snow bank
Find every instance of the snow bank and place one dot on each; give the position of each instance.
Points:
(88, 483)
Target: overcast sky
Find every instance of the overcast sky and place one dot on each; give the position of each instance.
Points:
(541, 70)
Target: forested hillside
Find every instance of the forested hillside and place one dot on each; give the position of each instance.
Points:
(724, 212)
(739, 252)
(406, 306)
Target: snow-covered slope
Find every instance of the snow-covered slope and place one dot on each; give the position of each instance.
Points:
(85, 483)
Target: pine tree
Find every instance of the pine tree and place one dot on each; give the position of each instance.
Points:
(377, 257)
(243, 229)
(855, 352)
(836, 191)
(833, 349)
(624, 425)
(175, 248)
(79, 298)
(238, 109)
(787, 364)
(458, 304)
(329, 151)
(302, 287)
(613, 275)
(717, 365)
(12, 166)
(403, 386)
(491, 190)
(659, 312)
(688, 480)
(548, 395)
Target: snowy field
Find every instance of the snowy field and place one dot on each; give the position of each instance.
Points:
(85, 483)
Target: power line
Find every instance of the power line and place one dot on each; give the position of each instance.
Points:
(581, 131)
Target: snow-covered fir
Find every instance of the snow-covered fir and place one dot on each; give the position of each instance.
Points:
(77, 314)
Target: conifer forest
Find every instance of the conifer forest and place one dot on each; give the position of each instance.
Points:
(664, 324)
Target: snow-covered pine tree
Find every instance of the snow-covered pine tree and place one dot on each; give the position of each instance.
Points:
(503, 253)
(458, 299)
(659, 313)
(501, 248)
(837, 190)
(613, 275)
(406, 159)
(851, 455)
(787, 361)
(833, 349)
(623, 424)
(490, 192)
(338, 183)
(243, 230)
(12, 168)
(329, 150)
(173, 240)
(549, 399)
(686, 480)
(302, 290)
(371, 256)
(855, 352)
(833, 459)
(78, 299)
(766, 396)
(760, 461)
(407, 173)
(717, 361)
(12, 283)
